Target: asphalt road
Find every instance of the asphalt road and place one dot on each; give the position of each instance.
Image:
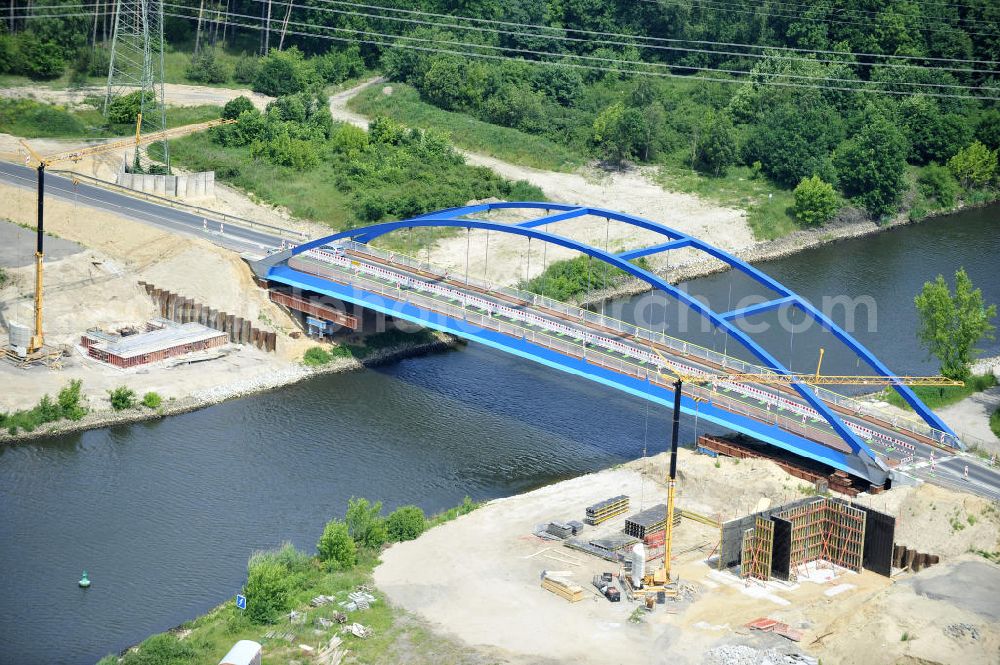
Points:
(950, 472)
(232, 236)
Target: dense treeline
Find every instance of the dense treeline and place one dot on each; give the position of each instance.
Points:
(795, 116)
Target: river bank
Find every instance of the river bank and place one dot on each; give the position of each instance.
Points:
(200, 399)
(849, 224)
(490, 608)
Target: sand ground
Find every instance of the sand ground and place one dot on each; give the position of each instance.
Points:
(97, 286)
(632, 191)
(477, 579)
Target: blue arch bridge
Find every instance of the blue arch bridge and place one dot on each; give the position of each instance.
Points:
(802, 419)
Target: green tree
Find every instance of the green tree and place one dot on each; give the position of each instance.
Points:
(934, 135)
(951, 324)
(152, 400)
(717, 149)
(405, 523)
(616, 132)
(815, 201)
(336, 547)
(446, 83)
(794, 141)
(974, 166)
(266, 589)
(122, 398)
(365, 523)
(39, 59)
(988, 129)
(283, 73)
(872, 164)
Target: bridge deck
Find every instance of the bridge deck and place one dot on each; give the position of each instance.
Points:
(598, 342)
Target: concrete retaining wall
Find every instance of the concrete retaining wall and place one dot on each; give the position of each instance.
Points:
(190, 186)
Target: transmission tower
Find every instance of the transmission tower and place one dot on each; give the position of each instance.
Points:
(137, 63)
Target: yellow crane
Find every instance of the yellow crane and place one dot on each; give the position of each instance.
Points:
(37, 344)
(816, 378)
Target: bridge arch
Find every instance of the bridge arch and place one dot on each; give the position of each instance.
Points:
(457, 218)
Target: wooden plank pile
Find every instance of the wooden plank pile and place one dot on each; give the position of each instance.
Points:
(563, 588)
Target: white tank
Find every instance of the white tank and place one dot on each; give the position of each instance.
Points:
(19, 335)
(638, 565)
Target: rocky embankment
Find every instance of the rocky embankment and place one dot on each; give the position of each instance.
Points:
(232, 390)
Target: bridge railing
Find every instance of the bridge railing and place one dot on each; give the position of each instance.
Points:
(799, 424)
(897, 421)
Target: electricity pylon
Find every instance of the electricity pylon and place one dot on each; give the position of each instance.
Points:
(137, 63)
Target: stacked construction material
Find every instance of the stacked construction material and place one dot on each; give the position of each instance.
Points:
(560, 529)
(605, 510)
(648, 521)
(608, 548)
(564, 588)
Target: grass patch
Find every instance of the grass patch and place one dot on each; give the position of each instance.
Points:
(33, 119)
(511, 145)
(769, 208)
(204, 640)
(355, 180)
(566, 279)
(995, 421)
(938, 396)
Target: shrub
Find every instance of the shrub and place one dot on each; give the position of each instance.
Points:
(815, 201)
(315, 356)
(405, 523)
(283, 150)
(124, 109)
(234, 107)
(975, 165)
(937, 183)
(336, 547)
(122, 398)
(266, 589)
(162, 649)
(995, 421)
(205, 67)
(152, 400)
(69, 401)
(338, 66)
(246, 68)
(365, 523)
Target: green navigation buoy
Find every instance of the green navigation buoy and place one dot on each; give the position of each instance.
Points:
(84, 582)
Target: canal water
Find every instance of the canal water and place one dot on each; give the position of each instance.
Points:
(163, 515)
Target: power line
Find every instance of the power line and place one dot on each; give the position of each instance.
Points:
(661, 74)
(719, 6)
(867, 13)
(525, 51)
(565, 38)
(599, 33)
